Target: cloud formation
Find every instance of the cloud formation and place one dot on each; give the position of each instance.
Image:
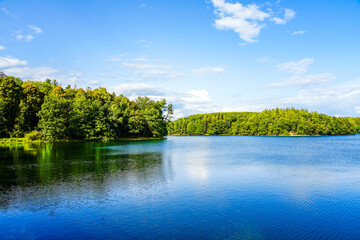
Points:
(296, 67)
(299, 80)
(19, 68)
(288, 15)
(298, 32)
(245, 20)
(152, 71)
(208, 70)
(35, 29)
(29, 73)
(7, 62)
(197, 96)
(27, 38)
(4, 10)
(28, 35)
(344, 98)
(136, 89)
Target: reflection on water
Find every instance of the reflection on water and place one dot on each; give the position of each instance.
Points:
(56, 169)
(221, 187)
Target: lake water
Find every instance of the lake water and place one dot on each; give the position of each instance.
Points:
(218, 187)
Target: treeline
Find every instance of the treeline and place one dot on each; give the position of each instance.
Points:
(276, 122)
(44, 110)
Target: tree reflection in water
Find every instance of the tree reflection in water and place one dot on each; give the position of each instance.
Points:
(68, 171)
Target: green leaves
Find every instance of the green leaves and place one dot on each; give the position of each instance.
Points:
(10, 96)
(99, 115)
(54, 117)
(76, 113)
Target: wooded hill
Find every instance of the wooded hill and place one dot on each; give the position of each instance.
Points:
(275, 122)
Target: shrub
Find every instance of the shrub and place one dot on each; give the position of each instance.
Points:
(34, 135)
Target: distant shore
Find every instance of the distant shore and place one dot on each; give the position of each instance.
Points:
(207, 135)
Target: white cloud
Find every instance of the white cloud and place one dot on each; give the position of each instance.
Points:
(278, 20)
(191, 102)
(27, 38)
(20, 35)
(141, 59)
(208, 70)
(18, 68)
(245, 107)
(28, 73)
(136, 89)
(152, 71)
(143, 68)
(197, 96)
(117, 58)
(357, 109)
(145, 43)
(296, 67)
(93, 82)
(334, 99)
(75, 73)
(146, 66)
(2, 47)
(7, 62)
(334, 96)
(246, 20)
(298, 32)
(4, 10)
(35, 29)
(299, 79)
(288, 15)
(307, 80)
(264, 60)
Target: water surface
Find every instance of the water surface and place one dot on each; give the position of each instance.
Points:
(218, 187)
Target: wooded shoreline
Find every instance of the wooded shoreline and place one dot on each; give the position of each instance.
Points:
(5, 141)
(274, 122)
(37, 110)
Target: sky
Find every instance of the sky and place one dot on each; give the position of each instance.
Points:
(201, 55)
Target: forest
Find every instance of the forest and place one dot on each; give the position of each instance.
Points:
(275, 122)
(46, 111)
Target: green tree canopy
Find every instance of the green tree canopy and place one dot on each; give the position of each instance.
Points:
(276, 122)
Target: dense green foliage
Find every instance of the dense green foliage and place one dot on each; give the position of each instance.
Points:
(276, 122)
(45, 110)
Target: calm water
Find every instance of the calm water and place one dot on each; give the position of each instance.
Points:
(221, 187)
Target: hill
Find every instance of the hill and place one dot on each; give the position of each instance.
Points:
(275, 122)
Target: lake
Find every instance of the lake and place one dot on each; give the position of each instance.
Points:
(209, 187)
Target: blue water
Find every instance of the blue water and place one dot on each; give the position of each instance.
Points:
(218, 187)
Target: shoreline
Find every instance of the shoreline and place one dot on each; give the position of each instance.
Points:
(4, 141)
(206, 135)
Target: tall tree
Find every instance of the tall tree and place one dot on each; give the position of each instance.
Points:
(10, 95)
(30, 105)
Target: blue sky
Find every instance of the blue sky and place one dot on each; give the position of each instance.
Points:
(201, 55)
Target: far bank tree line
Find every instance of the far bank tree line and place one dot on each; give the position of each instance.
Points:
(45, 110)
(276, 122)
